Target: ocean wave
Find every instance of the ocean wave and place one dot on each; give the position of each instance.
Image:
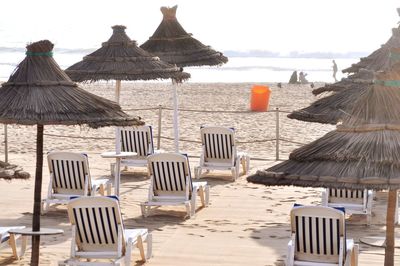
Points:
(56, 50)
(271, 68)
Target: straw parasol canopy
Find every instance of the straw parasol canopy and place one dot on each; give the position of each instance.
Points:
(361, 153)
(40, 93)
(359, 79)
(378, 59)
(331, 109)
(174, 45)
(120, 58)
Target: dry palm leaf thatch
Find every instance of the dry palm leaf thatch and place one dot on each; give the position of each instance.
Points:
(380, 58)
(39, 92)
(363, 152)
(359, 79)
(330, 109)
(121, 59)
(173, 44)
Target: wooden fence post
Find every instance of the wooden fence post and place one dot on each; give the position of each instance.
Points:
(277, 134)
(5, 144)
(159, 127)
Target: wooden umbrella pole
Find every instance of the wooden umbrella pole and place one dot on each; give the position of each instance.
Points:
(390, 222)
(176, 118)
(5, 144)
(117, 90)
(37, 196)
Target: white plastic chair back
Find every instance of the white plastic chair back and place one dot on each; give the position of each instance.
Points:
(170, 174)
(69, 172)
(218, 144)
(319, 234)
(137, 139)
(98, 223)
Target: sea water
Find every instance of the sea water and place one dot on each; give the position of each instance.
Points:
(238, 69)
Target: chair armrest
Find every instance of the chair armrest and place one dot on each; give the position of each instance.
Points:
(351, 253)
(290, 253)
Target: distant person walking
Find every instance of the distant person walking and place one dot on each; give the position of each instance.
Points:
(335, 69)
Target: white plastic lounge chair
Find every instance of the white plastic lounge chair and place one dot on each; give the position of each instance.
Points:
(219, 152)
(98, 233)
(137, 139)
(354, 201)
(69, 177)
(5, 237)
(171, 183)
(319, 238)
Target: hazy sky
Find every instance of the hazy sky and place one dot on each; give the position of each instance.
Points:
(275, 25)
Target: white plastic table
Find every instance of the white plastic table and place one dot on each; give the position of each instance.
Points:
(24, 232)
(118, 157)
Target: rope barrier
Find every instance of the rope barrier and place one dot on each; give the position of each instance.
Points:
(74, 137)
(160, 108)
(294, 142)
(167, 138)
(202, 111)
(141, 109)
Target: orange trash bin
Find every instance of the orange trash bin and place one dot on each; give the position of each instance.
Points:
(259, 98)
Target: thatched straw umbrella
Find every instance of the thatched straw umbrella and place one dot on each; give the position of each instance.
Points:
(378, 59)
(362, 77)
(331, 109)
(120, 58)
(40, 93)
(363, 152)
(174, 45)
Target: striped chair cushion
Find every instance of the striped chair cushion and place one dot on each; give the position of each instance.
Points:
(346, 193)
(218, 146)
(355, 196)
(96, 228)
(317, 239)
(169, 176)
(69, 175)
(139, 141)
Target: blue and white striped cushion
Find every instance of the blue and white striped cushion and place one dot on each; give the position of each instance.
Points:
(218, 146)
(68, 174)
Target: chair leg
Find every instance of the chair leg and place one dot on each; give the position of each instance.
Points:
(144, 210)
(149, 241)
(44, 206)
(354, 257)
(101, 189)
(141, 248)
(128, 254)
(13, 244)
(108, 187)
(112, 169)
(202, 198)
(197, 172)
(233, 170)
(247, 164)
(369, 219)
(188, 209)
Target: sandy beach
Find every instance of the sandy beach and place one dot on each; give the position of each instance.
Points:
(245, 224)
